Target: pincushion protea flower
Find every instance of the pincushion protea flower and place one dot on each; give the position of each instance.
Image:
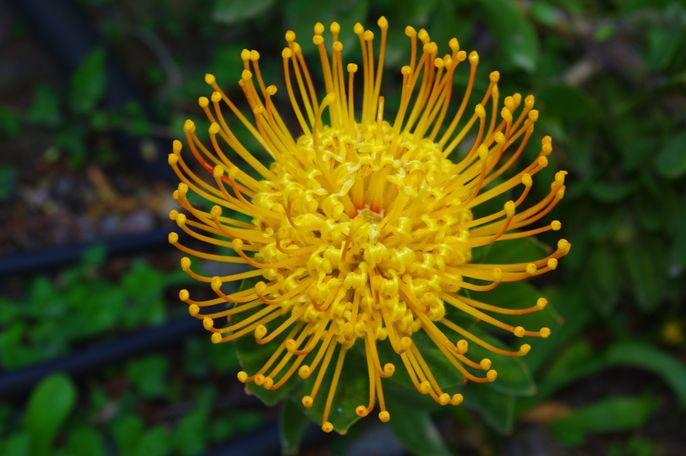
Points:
(361, 229)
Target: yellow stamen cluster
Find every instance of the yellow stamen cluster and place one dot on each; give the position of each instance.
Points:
(361, 229)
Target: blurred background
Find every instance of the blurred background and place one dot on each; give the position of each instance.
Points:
(98, 357)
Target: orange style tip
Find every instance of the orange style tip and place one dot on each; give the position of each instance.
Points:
(533, 115)
(181, 219)
(542, 161)
(361, 411)
(527, 180)
(485, 364)
(184, 295)
(499, 137)
(286, 53)
(423, 35)
(291, 345)
(491, 375)
(329, 98)
(563, 244)
(189, 126)
(410, 31)
(454, 44)
(552, 263)
(327, 426)
(245, 55)
(237, 244)
(214, 128)
(216, 211)
(497, 274)
(218, 171)
(271, 90)
(304, 372)
(182, 188)
(405, 342)
(405, 70)
(216, 97)
(185, 263)
(461, 56)
(524, 349)
(216, 338)
(509, 208)
(307, 401)
(384, 416)
(318, 40)
(424, 387)
(462, 346)
(193, 310)
(546, 139)
(541, 303)
(210, 79)
(289, 36)
(494, 76)
(173, 238)
(216, 283)
(242, 376)
(531, 269)
(203, 102)
(529, 101)
(389, 369)
(352, 68)
(177, 146)
(318, 28)
(254, 55)
(368, 35)
(259, 379)
(208, 324)
(358, 29)
(544, 332)
(268, 383)
(335, 27)
(260, 287)
(260, 331)
(473, 57)
(456, 399)
(338, 46)
(173, 214)
(518, 331)
(444, 399)
(479, 110)
(555, 225)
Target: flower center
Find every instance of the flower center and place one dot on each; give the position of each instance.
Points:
(368, 212)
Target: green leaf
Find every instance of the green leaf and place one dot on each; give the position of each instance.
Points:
(190, 436)
(9, 122)
(45, 109)
(647, 267)
(671, 160)
(619, 413)
(514, 377)
(8, 176)
(149, 375)
(567, 103)
(233, 11)
(352, 390)
(87, 83)
(292, 426)
(496, 409)
(514, 32)
(647, 357)
(416, 431)
(85, 441)
(50, 404)
(126, 431)
(154, 442)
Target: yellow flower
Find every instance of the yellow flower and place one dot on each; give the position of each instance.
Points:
(362, 228)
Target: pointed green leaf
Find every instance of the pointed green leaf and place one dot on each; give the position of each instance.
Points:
(50, 404)
(292, 426)
(416, 431)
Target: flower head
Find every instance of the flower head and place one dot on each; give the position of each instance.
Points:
(361, 229)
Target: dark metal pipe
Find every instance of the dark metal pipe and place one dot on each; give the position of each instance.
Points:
(13, 383)
(42, 260)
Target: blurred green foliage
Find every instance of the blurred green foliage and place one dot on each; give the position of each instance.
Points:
(609, 78)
